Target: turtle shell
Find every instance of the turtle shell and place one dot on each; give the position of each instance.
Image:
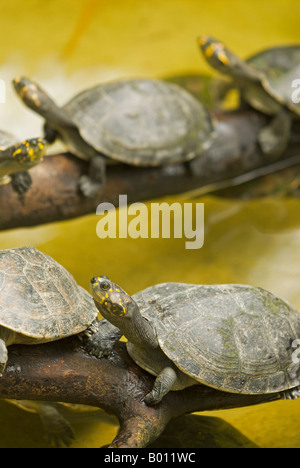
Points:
(142, 122)
(39, 298)
(231, 337)
(280, 67)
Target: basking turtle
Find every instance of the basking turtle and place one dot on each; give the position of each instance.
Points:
(234, 338)
(39, 301)
(265, 81)
(136, 121)
(16, 158)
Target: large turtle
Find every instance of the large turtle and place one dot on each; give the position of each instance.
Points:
(235, 338)
(39, 301)
(16, 158)
(266, 83)
(136, 121)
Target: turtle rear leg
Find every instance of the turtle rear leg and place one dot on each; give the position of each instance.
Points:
(3, 356)
(92, 184)
(274, 138)
(291, 394)
(162, 385)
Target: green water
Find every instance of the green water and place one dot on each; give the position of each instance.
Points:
(255, 242)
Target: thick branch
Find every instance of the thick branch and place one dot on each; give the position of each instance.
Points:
(54, 194)
(63, 371)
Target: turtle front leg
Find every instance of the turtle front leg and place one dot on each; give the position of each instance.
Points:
(101, 343)
(274, 138)
(92, 184)
(162, 385)
(21, 182)
(3, 356)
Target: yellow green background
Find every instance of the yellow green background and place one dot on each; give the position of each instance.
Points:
(70, 44)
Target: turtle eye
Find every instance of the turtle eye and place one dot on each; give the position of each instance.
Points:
(105, 286)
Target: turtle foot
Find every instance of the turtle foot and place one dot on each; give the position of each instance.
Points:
(162, 385)
(88, 187)
(101, 343)
(92, 184)
(291, 394)
(274, 138)
(21, 182)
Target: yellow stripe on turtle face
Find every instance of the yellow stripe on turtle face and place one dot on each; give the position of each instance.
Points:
(222, 57)
(18, 151)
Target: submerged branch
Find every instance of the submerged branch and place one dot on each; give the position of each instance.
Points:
(233, 159)
(63, 371)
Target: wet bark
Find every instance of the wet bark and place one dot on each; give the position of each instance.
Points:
(63, 371)
(54, 194)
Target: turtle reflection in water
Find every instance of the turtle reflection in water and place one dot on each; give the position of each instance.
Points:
(140, 122)
(234, 338)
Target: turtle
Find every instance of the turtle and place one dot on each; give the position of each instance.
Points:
(266, 83)
(17, 157)
(232, 337)
(140, 122)
(40, 301)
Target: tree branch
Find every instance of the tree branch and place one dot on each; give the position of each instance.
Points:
(54, 194)
(63, 371)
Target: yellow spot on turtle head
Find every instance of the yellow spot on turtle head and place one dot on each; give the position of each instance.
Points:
(209, 51)
(41, 146)
(18, 79)
(222, 57)
(106, 295)
(23, 91)
(18, 151)
(31, 154)
(35, 97)
(202, 40)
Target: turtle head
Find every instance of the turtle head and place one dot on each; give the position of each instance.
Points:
(111, 301)
(30, 93)
(215, 53)
(29, 153)
(222, 59)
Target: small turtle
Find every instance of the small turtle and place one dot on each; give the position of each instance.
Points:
(265, 81)
(234, 338)
(39, 301)
(136, 121)
(16, 158)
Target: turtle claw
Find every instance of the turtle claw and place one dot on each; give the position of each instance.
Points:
(89, 188)
(291, 394)
(101, 343)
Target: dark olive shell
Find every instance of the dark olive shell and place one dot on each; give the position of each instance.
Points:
(39, 298)
(142, 122)
(234, 338)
